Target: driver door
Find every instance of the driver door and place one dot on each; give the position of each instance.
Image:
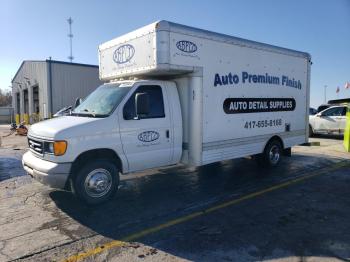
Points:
(146, 141)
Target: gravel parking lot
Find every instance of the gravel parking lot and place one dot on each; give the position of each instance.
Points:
(230, 211)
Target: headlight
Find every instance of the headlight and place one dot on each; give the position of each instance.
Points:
(50, 148)
(58, 148)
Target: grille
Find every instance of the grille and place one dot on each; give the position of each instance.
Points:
(36, 145)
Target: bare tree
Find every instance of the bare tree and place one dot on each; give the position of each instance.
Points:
(5, 98)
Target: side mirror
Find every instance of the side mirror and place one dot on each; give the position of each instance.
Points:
(77, 102)
(142, 107)
(319, 115)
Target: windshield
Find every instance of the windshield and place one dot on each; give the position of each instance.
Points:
(102, 101)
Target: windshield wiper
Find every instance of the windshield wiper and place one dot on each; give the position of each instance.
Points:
(82, 114)
(89, 115)
(87, 110)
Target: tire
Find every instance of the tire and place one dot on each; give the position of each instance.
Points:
(272, 154)
(96, 182)
(311, 132)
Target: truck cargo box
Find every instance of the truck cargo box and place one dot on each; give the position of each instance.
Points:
(235, 94)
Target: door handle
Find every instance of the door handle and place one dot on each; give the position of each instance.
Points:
(167, 133)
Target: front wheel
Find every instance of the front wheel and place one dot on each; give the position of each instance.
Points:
(96, 182)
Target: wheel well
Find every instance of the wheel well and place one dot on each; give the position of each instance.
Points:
(94, 154)
(275, 138)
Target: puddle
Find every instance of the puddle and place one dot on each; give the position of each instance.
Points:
(10, 167)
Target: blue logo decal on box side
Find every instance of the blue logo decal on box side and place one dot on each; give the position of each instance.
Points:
(186, 46)
(123, 54)
(148, 136)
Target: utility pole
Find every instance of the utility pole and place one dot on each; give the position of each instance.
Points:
(325, 94)
(70, 35)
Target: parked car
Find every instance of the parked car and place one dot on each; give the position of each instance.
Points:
(329, 121)
(63, 112)
(312, 111)
(66, 111)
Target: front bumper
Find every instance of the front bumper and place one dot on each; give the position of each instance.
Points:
(48, 173)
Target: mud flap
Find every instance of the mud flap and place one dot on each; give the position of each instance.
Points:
(287, 152)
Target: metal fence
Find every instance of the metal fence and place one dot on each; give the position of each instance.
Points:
(6, 115)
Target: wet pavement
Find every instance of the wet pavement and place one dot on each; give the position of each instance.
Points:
(12, 148)
(230, 211)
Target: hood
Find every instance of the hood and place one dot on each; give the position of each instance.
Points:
(64, 127)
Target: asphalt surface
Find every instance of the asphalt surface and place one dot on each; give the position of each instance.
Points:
(230, 211)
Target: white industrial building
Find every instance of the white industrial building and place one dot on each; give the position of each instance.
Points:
(41, 88)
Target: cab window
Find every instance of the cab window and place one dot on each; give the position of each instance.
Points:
(155, 100)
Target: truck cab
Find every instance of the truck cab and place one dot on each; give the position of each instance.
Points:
(133, 124)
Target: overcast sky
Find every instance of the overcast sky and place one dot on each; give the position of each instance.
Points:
(36, 30)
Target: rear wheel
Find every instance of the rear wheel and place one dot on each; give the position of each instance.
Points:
(96, 182)
(272, 154)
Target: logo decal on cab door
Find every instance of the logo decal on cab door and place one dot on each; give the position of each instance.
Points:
(148, 136)
(123, 54)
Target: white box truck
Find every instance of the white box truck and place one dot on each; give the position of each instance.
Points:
(174, 94)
